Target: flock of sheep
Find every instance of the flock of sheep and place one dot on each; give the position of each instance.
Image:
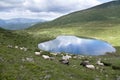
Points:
(65, 58)
(85, 61)
(17, 47)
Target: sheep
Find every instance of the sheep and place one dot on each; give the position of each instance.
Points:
(23, 48)
(64, 61)
(37, 53)
(46, 57)
(90, 66)
(67, 57)
(84, 63)
(87, 65)
(10, 46)
(99, 63)
(16, 47)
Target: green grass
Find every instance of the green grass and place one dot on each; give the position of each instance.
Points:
(81, 24)
(12, 66)
(98, 30)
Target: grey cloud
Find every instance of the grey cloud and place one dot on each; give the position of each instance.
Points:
(12, 1)
(52, 9)
(40, 7)
(47, 6)
(5, 9)
(10, 4)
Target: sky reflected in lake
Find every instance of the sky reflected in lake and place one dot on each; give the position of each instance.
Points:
(75, 45)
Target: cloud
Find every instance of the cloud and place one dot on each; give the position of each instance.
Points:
(29, 14)
(59, 5)
(47, 9)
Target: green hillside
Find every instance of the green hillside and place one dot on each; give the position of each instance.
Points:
(105, 12)
(14, 63)
(100, 22)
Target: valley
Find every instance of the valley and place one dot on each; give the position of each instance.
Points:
(100, 22)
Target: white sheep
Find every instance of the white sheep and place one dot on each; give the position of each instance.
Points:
(64, 61)
(16, 47)
(10, 46)
(100, 63)
(21, 48)
(89, 66)
(67, 57)
(37, 53)
(25, 49)
(45, 56)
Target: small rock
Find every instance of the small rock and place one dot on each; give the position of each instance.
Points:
(47, 76)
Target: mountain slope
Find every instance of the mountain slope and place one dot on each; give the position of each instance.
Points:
(102, 22)
(105, 12)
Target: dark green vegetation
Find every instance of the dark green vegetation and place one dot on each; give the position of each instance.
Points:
(101, 22)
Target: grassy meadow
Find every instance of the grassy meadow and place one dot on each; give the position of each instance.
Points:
(15, 66)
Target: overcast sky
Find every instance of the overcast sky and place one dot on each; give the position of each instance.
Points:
(43, 9)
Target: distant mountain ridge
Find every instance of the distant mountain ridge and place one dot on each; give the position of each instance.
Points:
(18, 23)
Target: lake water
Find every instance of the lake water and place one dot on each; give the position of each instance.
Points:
(76, 45)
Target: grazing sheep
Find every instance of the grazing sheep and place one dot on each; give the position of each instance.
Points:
(64, 61)
(10, 46)
(89, 66)
(37, 53)
(84, 63)
(99, 63)
(67, 57)
(46, 57)
(23, 48)
(16, 47)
